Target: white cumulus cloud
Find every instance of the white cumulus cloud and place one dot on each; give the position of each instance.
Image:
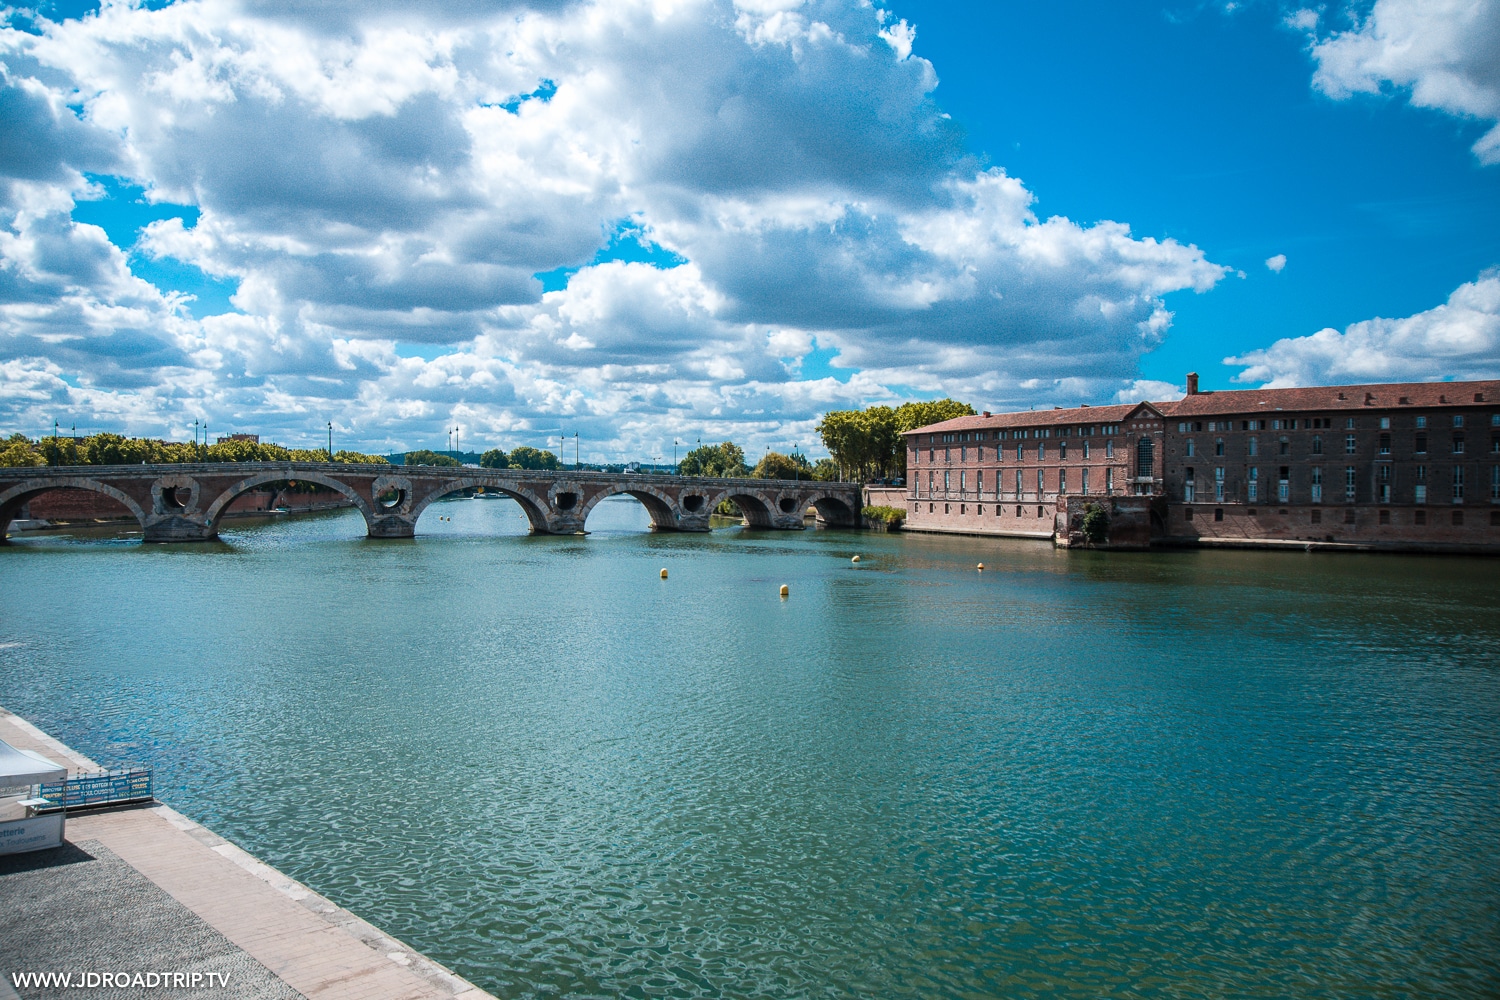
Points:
(1459, 339)
(380, 184)
(1276, 263)
(1444, 53)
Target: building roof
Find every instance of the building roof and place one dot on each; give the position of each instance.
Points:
(1335, 397)
(1038, 418)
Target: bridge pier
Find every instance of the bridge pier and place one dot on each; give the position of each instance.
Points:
(176, 528)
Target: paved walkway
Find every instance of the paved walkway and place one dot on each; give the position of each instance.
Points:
(316, 948)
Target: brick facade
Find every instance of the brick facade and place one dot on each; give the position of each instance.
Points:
(1413, 466)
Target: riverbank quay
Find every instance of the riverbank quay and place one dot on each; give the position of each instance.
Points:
(145, 889)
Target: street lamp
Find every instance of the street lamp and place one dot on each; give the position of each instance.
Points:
(330, 440)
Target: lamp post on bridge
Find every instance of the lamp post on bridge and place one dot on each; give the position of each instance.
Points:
(330, 440)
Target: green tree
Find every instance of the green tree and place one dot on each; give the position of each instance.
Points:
(527, 457)
(1095, 524)
(725, 460)
(778, 466)
(494, 459)
(359, 458)
(910, 416)
(426, 457)
(17, 452)
(826, 471)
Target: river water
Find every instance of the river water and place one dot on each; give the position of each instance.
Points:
(1075, 774)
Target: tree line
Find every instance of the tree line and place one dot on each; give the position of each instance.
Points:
(116, 449)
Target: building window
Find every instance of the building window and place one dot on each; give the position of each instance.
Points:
(1109, 448)
(1421, 422)
(1458, 444)
(1349, 444)
(1019, 488)
(1458, 484)
(1041, 452)
(1086, 448)
(1041, 482)
(1144, 458)
(1284, 484)
(1317, 517)
(947, 483)
(1062, 480)
(1349, 484)
(948, 455)
(1252, 488)
(1419, 518)
(1385, 517)
(1062, 450)
(1317, 444)
(1084, 475)
(1383, 481)
(1458, 518)
(1218, 446)
(1109, 479)
(979, 483)
(1385, 444)
(1188, 487)
(929, 483)
(1190, 450)
(1458, 420)
(963, 454)
(1219, 487)
(1385, 423)
(1419, 491)
(1420, 447)
(1285, 446)
(963, 481)
(1349, 424)
(1020, 453)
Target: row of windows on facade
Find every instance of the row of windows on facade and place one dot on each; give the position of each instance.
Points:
(1040, 451)
(1419, 517)
(1024, 433)
(1385, 483)
(1351, 445)
(1061, 482)
(1312, 423)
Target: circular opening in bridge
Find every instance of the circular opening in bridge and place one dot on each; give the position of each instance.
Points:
(787, 505)
(693, 504)
(174, 496)
(391, 498)
(566, 501)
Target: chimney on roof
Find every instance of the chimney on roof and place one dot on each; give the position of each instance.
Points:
(986, 412)
(1192, 381)
(1478, 397)
(1369, 398)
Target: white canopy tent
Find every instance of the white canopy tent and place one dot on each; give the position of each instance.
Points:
(22, 769)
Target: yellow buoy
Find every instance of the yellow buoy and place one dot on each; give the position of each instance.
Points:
(785, 590)
(855, 559)
(663, 572)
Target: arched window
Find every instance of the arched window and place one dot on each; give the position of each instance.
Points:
(1144, 455)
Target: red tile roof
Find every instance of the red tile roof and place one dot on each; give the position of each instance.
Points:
(1036, 418)
(1336, 397)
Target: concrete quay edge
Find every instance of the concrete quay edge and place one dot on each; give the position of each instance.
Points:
(442, 982)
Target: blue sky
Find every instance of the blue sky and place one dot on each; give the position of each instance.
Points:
(721, 218)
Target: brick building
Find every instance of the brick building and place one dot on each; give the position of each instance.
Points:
(1413, 466)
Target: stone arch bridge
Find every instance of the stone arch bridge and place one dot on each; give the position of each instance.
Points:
(181, 503)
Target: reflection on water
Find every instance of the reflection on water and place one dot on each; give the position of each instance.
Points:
(1074, 774)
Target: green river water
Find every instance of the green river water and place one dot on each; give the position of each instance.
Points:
(1076, 774)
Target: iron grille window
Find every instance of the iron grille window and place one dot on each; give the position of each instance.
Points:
(1144, 458)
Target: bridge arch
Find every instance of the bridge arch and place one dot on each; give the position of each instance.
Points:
(531, 505)
(832, 510)
(16, 497)
(662, 508)
(758, 509)
(216, 509)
